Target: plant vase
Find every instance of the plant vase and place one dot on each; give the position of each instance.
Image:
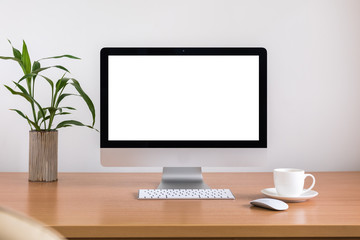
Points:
(43, 156)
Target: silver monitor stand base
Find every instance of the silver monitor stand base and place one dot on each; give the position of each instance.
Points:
(182, 178)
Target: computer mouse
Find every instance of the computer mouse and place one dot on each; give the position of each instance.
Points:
(270, 203)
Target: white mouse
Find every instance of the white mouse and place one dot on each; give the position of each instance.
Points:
(270, 203)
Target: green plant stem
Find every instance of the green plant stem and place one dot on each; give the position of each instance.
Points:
(50, 121)
(52, 115)
(51, 118)
(53, 105)
(32, 105)
(59, 95)
(33, 88)
(30, 92)
(33, 110)
(44, 123)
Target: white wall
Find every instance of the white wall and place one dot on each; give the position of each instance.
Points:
(313, 68)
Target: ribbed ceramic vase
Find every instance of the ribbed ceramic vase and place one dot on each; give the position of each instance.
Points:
(43, 156)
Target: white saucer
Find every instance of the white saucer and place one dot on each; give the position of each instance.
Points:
(271, 192)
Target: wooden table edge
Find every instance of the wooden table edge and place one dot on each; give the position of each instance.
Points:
(208, 231)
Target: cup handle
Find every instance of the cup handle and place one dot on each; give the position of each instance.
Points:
(312, 185)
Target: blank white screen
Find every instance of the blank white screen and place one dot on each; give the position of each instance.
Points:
(183, 98)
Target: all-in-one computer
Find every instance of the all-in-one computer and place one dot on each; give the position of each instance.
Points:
(182, 108)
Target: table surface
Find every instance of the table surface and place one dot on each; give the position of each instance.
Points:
(105, 205)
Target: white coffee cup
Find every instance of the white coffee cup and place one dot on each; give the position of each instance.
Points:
(290, 181)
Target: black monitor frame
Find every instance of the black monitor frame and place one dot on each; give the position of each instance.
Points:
(104, 111)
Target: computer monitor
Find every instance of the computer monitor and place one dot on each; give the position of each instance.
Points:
(182, 108)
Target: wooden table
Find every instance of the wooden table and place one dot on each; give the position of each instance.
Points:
(104, 205)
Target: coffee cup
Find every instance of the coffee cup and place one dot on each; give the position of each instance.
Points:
(289, 182)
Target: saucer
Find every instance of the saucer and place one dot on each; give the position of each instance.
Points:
(271, 192)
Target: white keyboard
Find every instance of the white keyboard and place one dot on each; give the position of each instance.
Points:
(185, 194)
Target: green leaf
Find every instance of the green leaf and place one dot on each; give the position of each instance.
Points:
(70, 108)
(25, 58)
(26, 117)
(44, 119)
(26, 76)
(50, 82)
(10, 58)
(40, 114)
(19, 112)
(61, 67)
(56, 66)
(63, 113)
(22, 89)
(62, 82)
(48, 117)
(69, 123)
(17, 55)
(16, 52)
(62, 56)
(40, 69)
(62, 96)
(52, 110)
(36, 66)
(26, 96)
(32, 100)
(60, 109)
(86, 98)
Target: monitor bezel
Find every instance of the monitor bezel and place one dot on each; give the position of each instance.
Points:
(104, 111)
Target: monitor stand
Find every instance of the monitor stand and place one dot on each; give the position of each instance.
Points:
(182, 178)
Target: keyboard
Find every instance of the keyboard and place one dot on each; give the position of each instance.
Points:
(185, 194)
